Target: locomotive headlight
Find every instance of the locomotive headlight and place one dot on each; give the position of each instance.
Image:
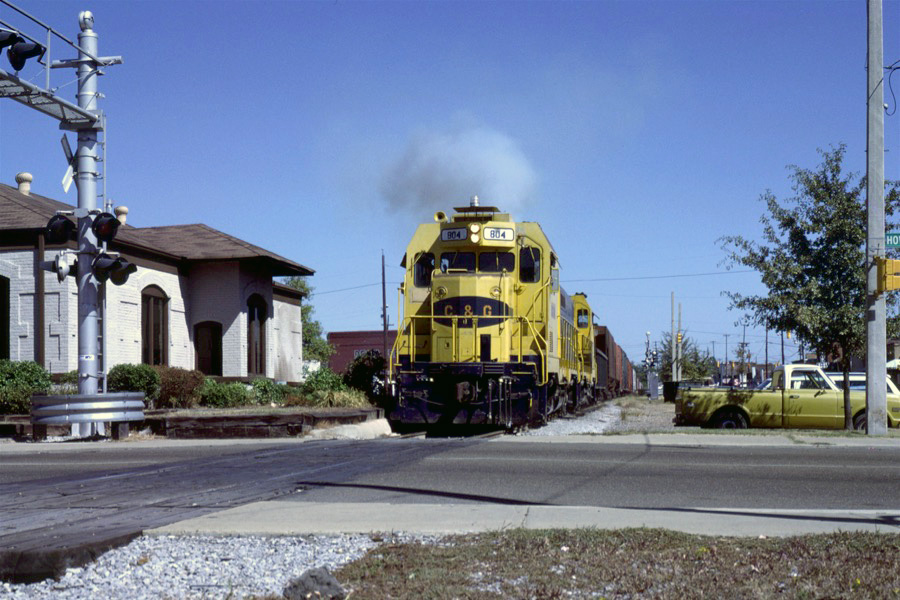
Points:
(440, 292)
(475, 238)
(474, 227)
(495, 292)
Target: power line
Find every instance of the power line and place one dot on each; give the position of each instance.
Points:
(659, 276)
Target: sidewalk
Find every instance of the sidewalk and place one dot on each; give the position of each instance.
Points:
(302, 518)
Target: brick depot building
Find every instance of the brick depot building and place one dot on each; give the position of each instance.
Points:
(200, 299)
(350, 344)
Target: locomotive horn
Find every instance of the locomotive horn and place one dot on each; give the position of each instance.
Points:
(440, 216)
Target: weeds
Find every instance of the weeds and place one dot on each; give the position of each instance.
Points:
(630, 563)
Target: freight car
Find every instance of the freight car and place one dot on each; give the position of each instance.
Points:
(487, 335)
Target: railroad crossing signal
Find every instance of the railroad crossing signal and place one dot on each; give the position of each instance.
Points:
(19, 49)
(105, 266)
(888, 274)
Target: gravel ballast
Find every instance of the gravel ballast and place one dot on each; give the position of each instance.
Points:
(199, 567)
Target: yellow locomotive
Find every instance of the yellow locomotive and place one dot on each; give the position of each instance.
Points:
(487, 334)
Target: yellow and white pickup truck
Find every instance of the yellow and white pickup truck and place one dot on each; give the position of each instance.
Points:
(801, 396)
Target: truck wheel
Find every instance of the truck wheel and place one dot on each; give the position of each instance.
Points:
(730, 419)
(859, 422)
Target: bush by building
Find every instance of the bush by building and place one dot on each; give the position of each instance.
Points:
(18, 381)
(223, 395)
(135, 378)
(365, 373)
(178, 388)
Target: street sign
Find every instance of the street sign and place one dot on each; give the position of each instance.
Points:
(892, 239)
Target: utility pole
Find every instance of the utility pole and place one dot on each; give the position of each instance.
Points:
(782, 348)
(744, 353)
(680, 342)
(876, 334)
(727, 364)
(674, 361)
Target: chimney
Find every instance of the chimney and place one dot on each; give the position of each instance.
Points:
(121, 214)
(24, 180)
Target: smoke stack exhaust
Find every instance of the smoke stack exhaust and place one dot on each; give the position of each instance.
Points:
(24, 181)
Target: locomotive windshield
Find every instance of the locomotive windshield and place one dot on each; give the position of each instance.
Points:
(422, 269)
(530, 264)
(496, 262)
(462, 261)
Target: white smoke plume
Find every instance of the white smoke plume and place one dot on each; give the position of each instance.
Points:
(443, 170)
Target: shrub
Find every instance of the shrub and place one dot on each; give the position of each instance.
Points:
(266, 391)
(349, 398)
(70, 378)
(178, 388)
(323, 380)
(24, 373)
(365, 373)
(18, 381)
(135, 378)
(223, 395)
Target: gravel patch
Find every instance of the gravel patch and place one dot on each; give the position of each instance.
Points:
(600, 420)
(191, 567)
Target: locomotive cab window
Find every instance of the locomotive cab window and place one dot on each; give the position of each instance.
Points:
(496, 262)
(422, 269)
(530, 264)
(583, 318)
(458, 261)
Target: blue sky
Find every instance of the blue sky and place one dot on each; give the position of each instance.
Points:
(636, 133)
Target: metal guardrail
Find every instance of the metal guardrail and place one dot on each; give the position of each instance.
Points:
(86, 408)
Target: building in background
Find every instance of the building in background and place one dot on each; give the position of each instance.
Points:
(200, 298)
(350, 344)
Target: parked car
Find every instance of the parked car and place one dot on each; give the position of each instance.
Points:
(800, 396)
(858, 382)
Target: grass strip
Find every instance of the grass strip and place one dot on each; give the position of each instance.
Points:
(629, 563)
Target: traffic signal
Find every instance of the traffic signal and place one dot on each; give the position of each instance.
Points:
(105, 227)
(679, 337)
(113, 268)
(8, 38)
(21, 51)
(59, 230)
(888, 274)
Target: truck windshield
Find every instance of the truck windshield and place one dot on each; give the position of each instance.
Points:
(808, 380)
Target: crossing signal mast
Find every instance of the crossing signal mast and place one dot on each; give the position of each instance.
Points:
(91, 226)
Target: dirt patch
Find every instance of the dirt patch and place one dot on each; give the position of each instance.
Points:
(641, 415)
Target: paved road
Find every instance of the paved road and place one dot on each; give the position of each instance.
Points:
(105, 493)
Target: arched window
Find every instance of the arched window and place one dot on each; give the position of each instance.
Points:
(208, 347)
(154, 326)
(257, 313)
(4, 318)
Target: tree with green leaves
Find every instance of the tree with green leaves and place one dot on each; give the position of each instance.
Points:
(315, 346)
(812, 262)
(695, 365)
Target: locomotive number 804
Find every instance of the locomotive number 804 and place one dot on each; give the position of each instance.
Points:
(487, 335)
